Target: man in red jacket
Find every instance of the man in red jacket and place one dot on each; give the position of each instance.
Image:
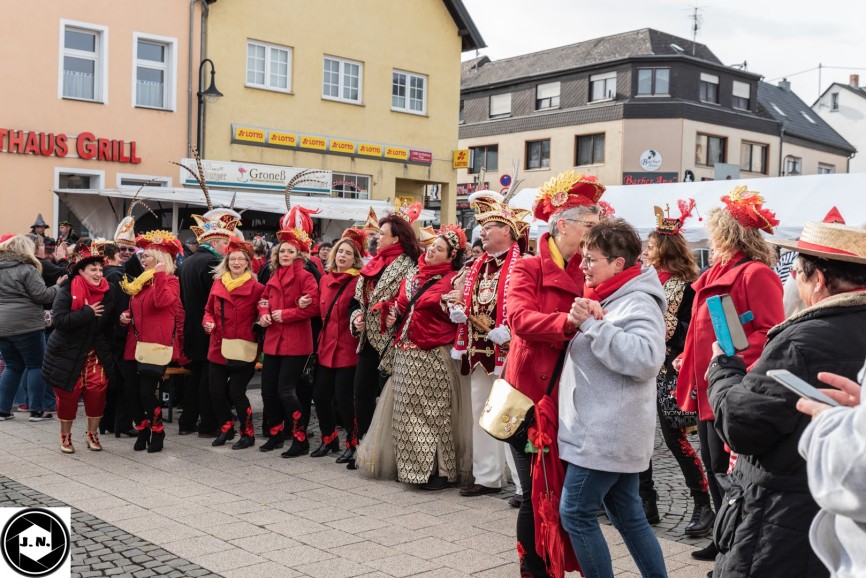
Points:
(544, 289)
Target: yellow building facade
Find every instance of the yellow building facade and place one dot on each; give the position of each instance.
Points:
(368, 90)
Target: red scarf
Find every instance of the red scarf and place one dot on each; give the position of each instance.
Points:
(664, 276)
(426, 272)
(607, 288)
(85, 291)
(383, 258)
(284, 276)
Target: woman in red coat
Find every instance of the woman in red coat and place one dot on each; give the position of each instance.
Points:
(338, 348)
(290, 300)
(229, 316)
(741, 268)
(424, 379)
(153, 315)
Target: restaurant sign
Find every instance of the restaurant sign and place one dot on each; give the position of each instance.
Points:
(254, 176)
(649, 178)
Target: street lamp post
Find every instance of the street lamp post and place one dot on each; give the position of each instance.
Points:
(209, 95)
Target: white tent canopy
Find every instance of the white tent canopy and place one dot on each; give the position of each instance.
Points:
(795, 200)
(100, 210)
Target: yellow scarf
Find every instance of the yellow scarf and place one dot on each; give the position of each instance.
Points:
(232, 284)
(138, 283)
(353, 272)
(555, 254)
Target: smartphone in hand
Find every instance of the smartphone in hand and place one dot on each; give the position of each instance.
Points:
(800, 387)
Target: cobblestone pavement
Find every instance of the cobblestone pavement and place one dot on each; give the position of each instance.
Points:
(197, 510)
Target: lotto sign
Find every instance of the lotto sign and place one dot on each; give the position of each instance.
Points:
(461, 159)
(35, 541)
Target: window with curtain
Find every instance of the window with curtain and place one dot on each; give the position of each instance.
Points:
(710, 150)
(152, 61)
(82, 62)
(484, 157)
(602, 86)
(538, 154)
(753, 157)
(709, 88)
(590, 149)
(742, 92)
(342, 80)
(408, 92)
(269, 66)
(350, 186)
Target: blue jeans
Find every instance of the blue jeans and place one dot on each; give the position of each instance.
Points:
(23, 357)
(584, 492)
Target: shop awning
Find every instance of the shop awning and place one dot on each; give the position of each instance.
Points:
(101, 209)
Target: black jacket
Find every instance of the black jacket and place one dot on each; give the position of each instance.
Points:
(762, 529)
(75, 334)
(196, 279)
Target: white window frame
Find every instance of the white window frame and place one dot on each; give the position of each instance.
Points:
(170, 69)
(100, 184)
(341, 74)
(347, 178)
(161, 181)
(100, 69)
(605, 77)
(268, 62)
(741, 90)
(500, 101)
(826, 169)
(834, 102)
(654, 70)
(408, 77)
(709, 79)
(551, 91)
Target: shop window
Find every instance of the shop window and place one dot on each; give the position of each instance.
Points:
(710, 150)
(342, 80)
(350, 186)
(602, 86)
(83, 72)
(500, 105)
(753, 157)
(742, 98)
(484, 157)
(709, 88)
(269, 66)
(538, 154)
(653, 81)
(154, 72)
(408, 92)
(547, 96)
(590, 149)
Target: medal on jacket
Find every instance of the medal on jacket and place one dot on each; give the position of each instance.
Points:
(487, 289)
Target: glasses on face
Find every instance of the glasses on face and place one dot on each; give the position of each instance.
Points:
(590, 261)
(587, 224)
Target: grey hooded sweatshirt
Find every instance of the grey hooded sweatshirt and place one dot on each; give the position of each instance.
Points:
(607, 394)
(22, 294)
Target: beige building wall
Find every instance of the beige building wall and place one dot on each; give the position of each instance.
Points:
(735, 139)
(31, 38)
(813, 159)
(418, 37)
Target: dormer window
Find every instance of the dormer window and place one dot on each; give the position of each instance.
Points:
(602, 86)
(742, 94)
(709, 88)
(547, 96)
(653, 81)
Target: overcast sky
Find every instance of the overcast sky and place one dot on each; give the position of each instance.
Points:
(775, 37)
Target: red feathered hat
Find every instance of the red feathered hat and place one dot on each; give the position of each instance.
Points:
(747, 207)
(358, 237)
(295, 237)
(160, 240)
(454, 235)
(566, 191)
(665, 225)
(299, 218)
(86, 254)
(236, 244)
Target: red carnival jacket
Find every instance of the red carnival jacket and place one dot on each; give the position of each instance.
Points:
(429, 326)
(294, 336)
(241, 310)
(540, 298)
(753, 287)
(337, 346)
(156, 312)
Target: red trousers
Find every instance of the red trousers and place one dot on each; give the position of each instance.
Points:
(92, 384)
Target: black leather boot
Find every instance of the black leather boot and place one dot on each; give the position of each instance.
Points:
(142, 437)
(707, 554)
(348, 454)
(324, 449)
(650, 507)
(244, 442)
(702, 518)
(298, 448)
(156, 439)
(275, 442)
(224, 437)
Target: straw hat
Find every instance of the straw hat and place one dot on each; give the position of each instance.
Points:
(829, 241)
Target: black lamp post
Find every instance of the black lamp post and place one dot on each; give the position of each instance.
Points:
(209, 95)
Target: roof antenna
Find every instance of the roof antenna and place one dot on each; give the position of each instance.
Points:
(696, 25)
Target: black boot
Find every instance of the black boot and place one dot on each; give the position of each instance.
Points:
(324, 449)
(650, 507)
(275, 442)
(298, 448)
(156, 439)
(142, 437)
(224, 437)
(707, 554)
(702, 518)
(348, 454)
(244, 443)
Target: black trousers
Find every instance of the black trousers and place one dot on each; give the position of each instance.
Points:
(116, 418)
(715, 460)
(690, 464)
(368, 386)
(285, 396)
(228, 387)
(197, 401)
(532, 563)
(335, 384)
(140, 395)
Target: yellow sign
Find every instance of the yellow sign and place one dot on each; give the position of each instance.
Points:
(314, 142)
(403, 200)
(249, 134)
(461, 159)
(342, 146)
(283, 139)
(370, 150)
(397, 153)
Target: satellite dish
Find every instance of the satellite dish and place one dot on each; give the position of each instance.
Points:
(677, 47)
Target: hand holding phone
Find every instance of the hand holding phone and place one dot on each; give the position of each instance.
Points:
(800, 387)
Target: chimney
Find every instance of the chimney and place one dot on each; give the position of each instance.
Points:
(785, 85)
(854, 80)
